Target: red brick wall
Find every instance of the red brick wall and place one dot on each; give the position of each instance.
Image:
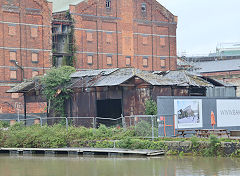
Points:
(28, 14)
(126, 25)
(232, 77)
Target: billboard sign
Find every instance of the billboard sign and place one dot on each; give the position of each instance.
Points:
(188, 113)
(228, 113)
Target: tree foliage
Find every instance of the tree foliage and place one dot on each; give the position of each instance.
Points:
(150, 107)
(55, 89)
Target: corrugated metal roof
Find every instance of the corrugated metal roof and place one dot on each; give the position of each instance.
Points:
(63, 5)
(22, 87)
(114, 77)
(92, 73)
(119, 76)
(185, 78)
(217, 66)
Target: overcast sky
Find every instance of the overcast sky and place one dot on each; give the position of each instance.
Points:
(202, 24)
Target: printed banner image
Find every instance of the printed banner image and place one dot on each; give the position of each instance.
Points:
(188, 113)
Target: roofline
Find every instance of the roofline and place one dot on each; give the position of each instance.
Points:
(219, 71)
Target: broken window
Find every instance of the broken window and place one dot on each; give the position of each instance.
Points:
(144, 7)
(108, 4)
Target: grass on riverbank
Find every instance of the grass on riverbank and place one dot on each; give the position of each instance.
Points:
(57, 136)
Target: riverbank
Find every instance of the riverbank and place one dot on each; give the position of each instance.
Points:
(19, 136)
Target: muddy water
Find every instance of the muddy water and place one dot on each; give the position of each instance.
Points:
(89, 166)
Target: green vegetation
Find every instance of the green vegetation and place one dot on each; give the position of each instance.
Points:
(4, 124)
(55, 88)
(57, 136)
(214, 147)
(150, 107)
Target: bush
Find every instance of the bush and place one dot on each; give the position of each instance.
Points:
(4, 124)
(195, 141)
(150, 107)
(214, 147)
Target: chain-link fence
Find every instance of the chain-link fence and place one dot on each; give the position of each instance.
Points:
(145, 126)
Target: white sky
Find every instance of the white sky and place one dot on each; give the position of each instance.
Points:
(202, 24)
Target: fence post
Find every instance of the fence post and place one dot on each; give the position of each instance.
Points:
(66, 123)
(152, 128)
(123, 122)
(41, 121)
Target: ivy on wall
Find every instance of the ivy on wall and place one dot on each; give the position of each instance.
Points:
(55, 84)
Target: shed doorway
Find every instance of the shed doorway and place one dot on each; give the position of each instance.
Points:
(109, 108)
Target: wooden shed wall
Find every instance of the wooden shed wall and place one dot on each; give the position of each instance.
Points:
(83, 104)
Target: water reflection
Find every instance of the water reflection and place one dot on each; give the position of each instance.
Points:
(89, 166)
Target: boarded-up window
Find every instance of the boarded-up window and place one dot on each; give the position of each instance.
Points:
(34, 73)
(162, 42)
(145, 62)
(89, 36)
(13, 74)
(34, 31)
(34, 57)
(15, 95)
(109, 38)
(12, 56)
(12, 30)
(163, 62)
(109, 60)
(145, 40)
(90, 60)
(128, 61)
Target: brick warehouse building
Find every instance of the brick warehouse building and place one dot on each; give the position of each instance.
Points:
(25, 48)
(116, 34)
(94, 34)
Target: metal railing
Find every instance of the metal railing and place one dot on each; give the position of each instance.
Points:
(145, 126)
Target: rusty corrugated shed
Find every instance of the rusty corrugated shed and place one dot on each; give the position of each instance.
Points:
(185, 78)
(114, 77)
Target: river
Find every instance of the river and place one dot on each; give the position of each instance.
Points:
(100, 166)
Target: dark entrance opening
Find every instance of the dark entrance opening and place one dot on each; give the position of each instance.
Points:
(110, 109)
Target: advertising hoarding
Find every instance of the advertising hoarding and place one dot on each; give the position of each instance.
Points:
(188, 113)
(228, 113)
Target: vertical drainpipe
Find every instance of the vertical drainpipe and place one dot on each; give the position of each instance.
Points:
(117, 31)
(169, 50)
(117, 42)
(20, 34)
(122, 101)
(152, 34)
(97, 37)
(25, 109)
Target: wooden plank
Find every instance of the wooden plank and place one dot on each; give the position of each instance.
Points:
(88, 150)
